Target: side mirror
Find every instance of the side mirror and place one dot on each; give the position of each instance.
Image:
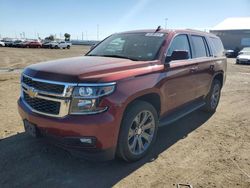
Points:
(178, 55)
(92, 47)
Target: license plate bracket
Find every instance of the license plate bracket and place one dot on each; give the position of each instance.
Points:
(31, 128)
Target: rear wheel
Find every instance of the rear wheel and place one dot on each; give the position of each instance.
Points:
(68, 47)
(138, 131)
(213, 98)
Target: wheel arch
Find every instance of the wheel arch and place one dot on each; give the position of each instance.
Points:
(152, 98)
(219, 76)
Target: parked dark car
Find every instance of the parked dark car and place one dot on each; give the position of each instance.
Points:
(230, 53)
(113, 100)
(17, 43)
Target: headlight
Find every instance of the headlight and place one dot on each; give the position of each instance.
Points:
(86, 98)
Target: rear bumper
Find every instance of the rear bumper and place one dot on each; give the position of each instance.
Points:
(67, 131)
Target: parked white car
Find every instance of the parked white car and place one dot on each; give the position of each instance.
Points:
(244, 56)
(57, 45)
(2, 44)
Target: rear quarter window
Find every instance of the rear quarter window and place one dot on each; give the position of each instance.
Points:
(217, 46)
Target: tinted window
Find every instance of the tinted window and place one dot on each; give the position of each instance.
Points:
(200, 49)
(217, 47)
(115, 45)
(179, 43)
(136, 46)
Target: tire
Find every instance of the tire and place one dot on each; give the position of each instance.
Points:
(128, 148)
(213, 97)
(56, 47)
(68, 47)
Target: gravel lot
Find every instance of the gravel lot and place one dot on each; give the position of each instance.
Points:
(200, 149)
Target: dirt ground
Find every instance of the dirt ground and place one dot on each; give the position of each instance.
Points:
(200, 149)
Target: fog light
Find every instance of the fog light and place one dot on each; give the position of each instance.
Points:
(86, 104)
(86, 140)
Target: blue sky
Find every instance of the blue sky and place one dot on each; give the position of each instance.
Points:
(81, 17)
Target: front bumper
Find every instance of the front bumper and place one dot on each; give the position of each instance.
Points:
(103, 127)
(243, 61)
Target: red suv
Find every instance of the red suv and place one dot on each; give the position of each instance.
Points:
(113, 100)
(32, 44)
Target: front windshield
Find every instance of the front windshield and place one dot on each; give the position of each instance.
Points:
(246, 51)
(134, 46)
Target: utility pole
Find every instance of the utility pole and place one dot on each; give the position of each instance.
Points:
(166, 21)
(97, 32)
(86, 35)
(82, 35)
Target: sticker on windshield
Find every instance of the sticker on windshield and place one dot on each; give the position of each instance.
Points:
(154, 34)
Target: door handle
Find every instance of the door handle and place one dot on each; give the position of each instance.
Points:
(194, 69)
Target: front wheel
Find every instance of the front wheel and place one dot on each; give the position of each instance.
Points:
(138, 131)
(213, 98)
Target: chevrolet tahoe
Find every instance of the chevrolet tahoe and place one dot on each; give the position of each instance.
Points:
(111, 101)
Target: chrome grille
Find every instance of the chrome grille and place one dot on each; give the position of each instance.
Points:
(46, 97)
(42, 105)
(48, 87)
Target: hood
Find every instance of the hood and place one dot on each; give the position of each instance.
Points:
(244, 56)
(91, 69)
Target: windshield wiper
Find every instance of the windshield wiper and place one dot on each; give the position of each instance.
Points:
(117, 56)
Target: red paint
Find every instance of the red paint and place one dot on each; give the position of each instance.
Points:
(174, 84)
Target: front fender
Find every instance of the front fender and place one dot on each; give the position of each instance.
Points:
(130, 89)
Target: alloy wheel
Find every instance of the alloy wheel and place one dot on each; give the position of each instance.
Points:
(141, 132)
(215, 96)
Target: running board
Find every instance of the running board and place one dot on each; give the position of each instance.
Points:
(174, 116)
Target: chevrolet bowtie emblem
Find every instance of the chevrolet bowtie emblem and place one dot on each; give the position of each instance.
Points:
(32, 92)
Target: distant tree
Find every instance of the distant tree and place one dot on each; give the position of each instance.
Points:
(51, 38)
(67, 37)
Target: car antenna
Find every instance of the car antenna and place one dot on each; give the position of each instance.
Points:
(158, 29)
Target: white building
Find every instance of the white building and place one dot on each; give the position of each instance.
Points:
(234, 33)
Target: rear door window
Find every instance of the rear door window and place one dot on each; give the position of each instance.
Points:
(217, 46)
(180, 42)
(199, 46)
